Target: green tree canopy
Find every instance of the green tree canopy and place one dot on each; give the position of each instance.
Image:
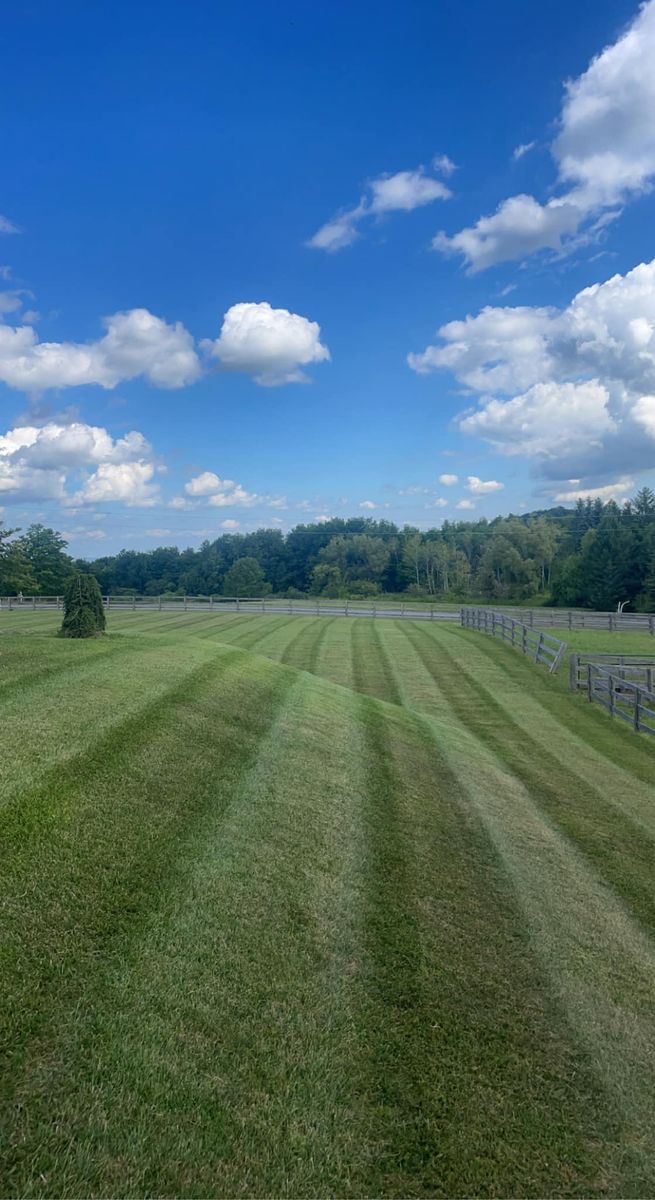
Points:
(44, 549)
(16, 574)
(245, 578)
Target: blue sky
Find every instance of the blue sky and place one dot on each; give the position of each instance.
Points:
(229, 236)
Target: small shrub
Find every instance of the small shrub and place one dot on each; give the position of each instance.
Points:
(84, 613)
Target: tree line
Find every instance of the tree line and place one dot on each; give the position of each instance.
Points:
(594, 556)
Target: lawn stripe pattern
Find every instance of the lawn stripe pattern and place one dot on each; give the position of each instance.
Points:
(390, 937)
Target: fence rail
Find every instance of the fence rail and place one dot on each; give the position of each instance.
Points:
(635, 668)
(621, 698)
(560, 618)
(533, 618)
(218, 604)
(542, 647)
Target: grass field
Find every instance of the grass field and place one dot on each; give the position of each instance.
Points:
(317, 907)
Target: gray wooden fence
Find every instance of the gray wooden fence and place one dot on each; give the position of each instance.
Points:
(533, 618)
(635, 668)
(621, 697)
(540, 646)
(256, 605)
(561, 618)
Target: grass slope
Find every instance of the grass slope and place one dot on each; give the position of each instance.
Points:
(319, 907)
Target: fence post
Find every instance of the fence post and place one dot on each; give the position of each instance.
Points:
(651, 624)
(611, 622)
(134, 604)
(570, 619)
(237, 603)
(493, 624)
(590, 687)
(211, 603)
(185, 605)
(374, 609)
(317, 608)
(346, 608)
(432, 612)
(524, 639)
(611, 695)
(636, 712)
(402, 609)
(160, 603)
(573, 673)
(539, 645)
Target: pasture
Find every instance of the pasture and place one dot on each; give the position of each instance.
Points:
(304, 906)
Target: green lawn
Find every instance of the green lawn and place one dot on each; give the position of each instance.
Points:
(597, 641)
(319, 907)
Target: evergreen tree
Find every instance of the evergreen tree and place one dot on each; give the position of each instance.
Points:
(84, 612)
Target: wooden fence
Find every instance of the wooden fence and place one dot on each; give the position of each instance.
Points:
(321, 607)
(633, 668)
(621, 697)
(540, 646)
(561, 618)
(533, 618)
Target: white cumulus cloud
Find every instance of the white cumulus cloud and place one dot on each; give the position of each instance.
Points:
(135, 343)
(271, 344)
(449, 480)
(482, 487)
(572, 387)
(129, 482)
(220, 493)
(604, 155)
(38, 461)
(203, 484)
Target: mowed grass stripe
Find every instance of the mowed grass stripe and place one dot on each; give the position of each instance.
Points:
(589, 947)
(334, 660)
(527, 694)
(63, 714)
(621, 846)
(106, 852)
(611, 739)
(599, 964)
(249, 636)
(372, 672)
(304, 649)
(236, 1069)
(287, 1019)
(472, 1062)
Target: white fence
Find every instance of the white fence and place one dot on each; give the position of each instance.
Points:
(542, 647)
